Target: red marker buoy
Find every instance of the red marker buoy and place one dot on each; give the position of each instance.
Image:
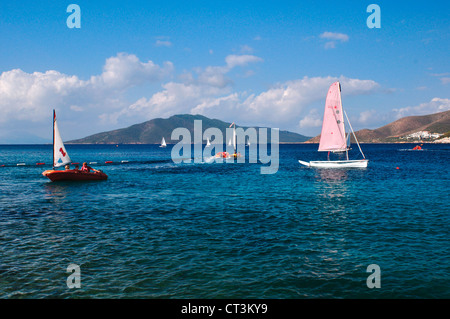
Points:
(398, 167)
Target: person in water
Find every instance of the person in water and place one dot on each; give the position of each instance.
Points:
(87, 169)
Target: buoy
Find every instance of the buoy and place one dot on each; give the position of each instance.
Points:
(398, 167)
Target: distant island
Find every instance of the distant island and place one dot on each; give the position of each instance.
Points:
(152, 132)
(425, 128)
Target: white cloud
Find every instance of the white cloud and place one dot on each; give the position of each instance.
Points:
(281, 104)
(163, 43)
(76, 108)
(367, 117)
(246, 48)
(330, 45)
(436, 105)
(31, 96)
(445, 80)
(334, 37)
(126, 70)
(241, 60)
(312, 119)
(195, 94)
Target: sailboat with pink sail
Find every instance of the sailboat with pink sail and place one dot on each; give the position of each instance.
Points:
(333, 138)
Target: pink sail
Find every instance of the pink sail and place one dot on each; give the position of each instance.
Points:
(332, 137)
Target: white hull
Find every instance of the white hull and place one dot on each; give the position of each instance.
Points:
(336, 164)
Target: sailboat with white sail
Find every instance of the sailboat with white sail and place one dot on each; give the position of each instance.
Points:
(163, 143)
(333, 138)
(233, 142)
(208, 143)
(61, 158)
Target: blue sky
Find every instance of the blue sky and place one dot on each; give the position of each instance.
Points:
(251, 62)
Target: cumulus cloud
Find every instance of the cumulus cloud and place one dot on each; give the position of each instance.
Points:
(436, 105)
(205, 89)
(31, 96)
(333, 38)
(312, 119)
(282, 103)
(125, 70)
(241, 60)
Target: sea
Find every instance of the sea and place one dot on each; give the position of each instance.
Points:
(157, 229)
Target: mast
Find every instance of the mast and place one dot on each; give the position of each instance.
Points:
(53, 151)
(342, 106)
(234, 138)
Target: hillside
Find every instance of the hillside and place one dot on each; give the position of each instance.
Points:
(151, 132)
(397, 130)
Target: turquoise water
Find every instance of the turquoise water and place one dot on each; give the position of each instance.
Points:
(156, 229)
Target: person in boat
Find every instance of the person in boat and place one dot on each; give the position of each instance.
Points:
(87, 169)
(77, 167)
(67, 167)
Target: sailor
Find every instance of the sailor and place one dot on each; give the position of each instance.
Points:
(87, 169)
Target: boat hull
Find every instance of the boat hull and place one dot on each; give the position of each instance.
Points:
(337, 164)
(74, 175)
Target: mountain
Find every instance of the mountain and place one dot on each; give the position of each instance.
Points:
(151, 132)
(398, 130)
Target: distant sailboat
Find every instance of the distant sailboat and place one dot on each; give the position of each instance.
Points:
(163, 143)
(61, 158)
(208, 143)
(333, 138)
(248, 142)
(234, 143)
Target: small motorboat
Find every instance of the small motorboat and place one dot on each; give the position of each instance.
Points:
(74, 175)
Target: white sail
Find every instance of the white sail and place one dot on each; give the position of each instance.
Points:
(163, 143)
(60, 155)
(208, 143)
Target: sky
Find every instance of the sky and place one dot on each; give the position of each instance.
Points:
(255, 63)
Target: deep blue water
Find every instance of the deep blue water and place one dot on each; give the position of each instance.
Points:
(156, 229)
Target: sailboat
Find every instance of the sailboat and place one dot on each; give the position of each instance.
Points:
(333, 138)
(61, 158)
(208, 143)
(234, 143)
(163, 143)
